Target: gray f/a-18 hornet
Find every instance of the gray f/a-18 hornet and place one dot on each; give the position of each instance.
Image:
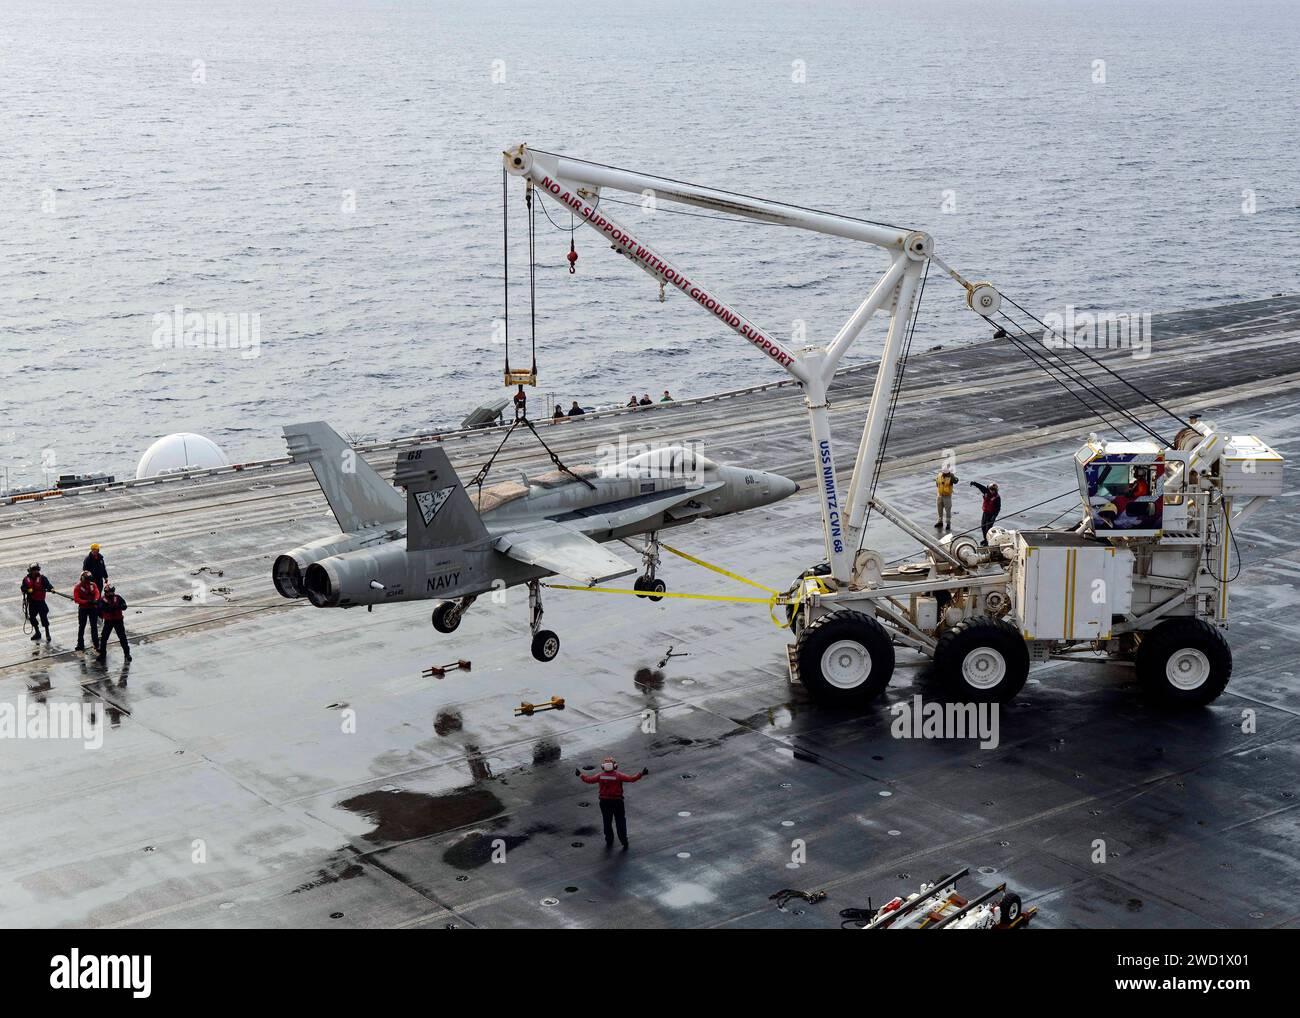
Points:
(439, 541)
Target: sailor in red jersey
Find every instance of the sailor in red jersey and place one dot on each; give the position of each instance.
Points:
(111, 611)
(86, 596)
(34, 587)
(611, 781)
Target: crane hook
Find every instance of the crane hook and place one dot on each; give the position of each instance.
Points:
(573, 256)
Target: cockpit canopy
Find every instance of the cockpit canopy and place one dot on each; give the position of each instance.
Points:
(668, 461)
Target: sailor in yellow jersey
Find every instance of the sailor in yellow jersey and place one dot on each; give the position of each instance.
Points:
(943, 483)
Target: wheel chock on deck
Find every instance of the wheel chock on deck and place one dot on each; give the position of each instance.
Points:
(527, 709)
(438, 671)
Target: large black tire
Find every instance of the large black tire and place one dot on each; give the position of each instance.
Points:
(844, 658)
(1010, 908)
(447, 616)
(546, 645)
(1183, 663)
(981, 660)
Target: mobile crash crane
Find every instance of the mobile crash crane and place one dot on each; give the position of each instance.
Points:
(1142, 576)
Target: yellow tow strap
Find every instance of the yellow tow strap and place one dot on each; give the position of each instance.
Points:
(777, 597)
(718, 569)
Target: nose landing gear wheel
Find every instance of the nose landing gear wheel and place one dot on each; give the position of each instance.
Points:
(447, 616)
(844, 658)
(546, 645)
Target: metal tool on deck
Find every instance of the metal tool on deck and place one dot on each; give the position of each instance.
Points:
(439, 671)
(527, 709)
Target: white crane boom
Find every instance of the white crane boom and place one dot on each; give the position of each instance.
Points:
(577, 184)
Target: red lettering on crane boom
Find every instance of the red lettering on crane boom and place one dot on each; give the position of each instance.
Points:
(668, 274)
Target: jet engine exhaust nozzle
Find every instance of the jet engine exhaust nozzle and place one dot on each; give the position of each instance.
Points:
(320, 587)
(286, 573)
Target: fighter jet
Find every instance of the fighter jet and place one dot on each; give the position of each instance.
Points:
(442, 542)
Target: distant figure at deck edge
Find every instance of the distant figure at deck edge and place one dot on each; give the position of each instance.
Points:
(559, 414)
(575, 410)
(645, 400)
(611, 781)
(667, 397)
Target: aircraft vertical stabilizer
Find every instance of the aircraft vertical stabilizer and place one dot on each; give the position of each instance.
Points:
(357, 495)
(439, 513)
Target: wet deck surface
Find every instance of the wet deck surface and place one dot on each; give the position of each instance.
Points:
(228, 793)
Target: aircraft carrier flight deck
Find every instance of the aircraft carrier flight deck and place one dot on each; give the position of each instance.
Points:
(268, 763)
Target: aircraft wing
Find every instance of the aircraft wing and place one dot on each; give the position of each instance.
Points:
(562, 550)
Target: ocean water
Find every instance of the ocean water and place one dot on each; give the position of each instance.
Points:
(333, 168)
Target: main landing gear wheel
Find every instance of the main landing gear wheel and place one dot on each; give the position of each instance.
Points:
(647, 585)
(447, 616)
(982, 660)
(1009, 907)
(1184, 663)
(650, 588)
(546, 645)
(844, 658)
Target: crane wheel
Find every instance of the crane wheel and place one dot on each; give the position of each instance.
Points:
(447, 616)
(546, 645)
(844, 658)
(982, 660)
(1183, 662)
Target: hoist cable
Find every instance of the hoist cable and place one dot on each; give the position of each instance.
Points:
(893, 403)
(477, 480)
(505, 263)
(1076, 375)
(1150, 399)
(532, 271)
(572, 228)
(1045, 366)
(556, 459)
(1030, 345)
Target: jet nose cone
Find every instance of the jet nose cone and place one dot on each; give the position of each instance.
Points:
(775, 487)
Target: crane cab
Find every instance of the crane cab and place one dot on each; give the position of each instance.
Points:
(1122, 485)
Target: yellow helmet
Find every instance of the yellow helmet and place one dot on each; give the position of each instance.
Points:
(94, 547)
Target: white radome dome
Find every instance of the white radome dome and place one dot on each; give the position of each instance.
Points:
(182, 451)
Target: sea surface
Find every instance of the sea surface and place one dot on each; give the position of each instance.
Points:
(331, 172)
